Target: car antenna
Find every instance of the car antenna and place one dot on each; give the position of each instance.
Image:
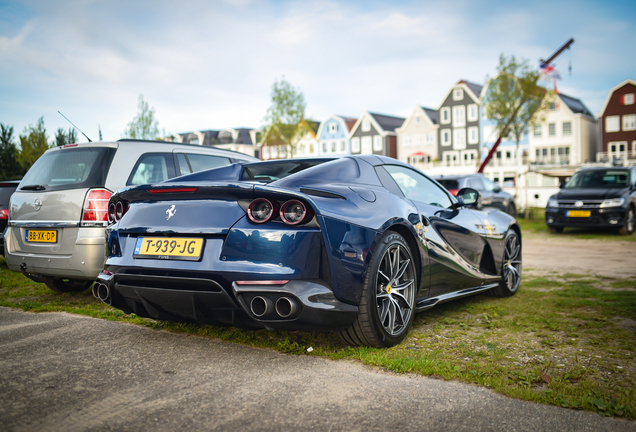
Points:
(89, 140)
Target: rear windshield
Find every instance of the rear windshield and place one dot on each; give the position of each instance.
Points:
(73, 168)
(267, 172)
(449, 184)
(611, 178)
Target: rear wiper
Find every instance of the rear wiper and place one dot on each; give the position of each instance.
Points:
(33, 187)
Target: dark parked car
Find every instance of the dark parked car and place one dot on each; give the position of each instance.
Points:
(595, 197)
(7, 188)
(355, 245)
(491, 194)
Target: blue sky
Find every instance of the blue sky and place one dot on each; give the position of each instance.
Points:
(211, 64)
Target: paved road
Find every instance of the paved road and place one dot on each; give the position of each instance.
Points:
(61, 372)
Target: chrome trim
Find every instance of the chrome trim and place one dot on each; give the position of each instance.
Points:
(42, 224)
(586, 204)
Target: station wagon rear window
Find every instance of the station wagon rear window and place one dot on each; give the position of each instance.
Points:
(74, 168)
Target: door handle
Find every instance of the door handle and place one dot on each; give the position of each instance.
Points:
(425, 221)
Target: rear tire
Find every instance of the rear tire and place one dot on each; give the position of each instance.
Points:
(61, 285)
(387, 304)
(510, 267)
(628, 228)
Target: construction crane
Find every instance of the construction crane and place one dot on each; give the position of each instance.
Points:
(523, 100)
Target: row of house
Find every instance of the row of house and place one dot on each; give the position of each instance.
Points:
(454, 137)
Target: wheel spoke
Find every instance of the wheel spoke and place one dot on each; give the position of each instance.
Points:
(391, 324)
(402, 286)
(388, 279)
(402, 269)
(401, 301)
(384, 310)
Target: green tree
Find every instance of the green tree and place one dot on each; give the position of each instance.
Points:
(33, 143)
(63, 138)
(284, 114)
(9, 167)
(514, 98)
(144, 125)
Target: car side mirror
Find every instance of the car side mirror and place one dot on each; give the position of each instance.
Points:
(497, 189)
(467, 197)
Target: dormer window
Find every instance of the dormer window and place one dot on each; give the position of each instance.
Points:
(333, 127)
(553, 106)
(628, 99)
(418, 120)
(458, 94)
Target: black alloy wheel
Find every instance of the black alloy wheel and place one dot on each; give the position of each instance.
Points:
(61, 286)
(630, 222)
(387, 305)
(511, 267)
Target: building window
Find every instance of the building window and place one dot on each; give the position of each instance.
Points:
(628, 99)
(333, 127)
(324, 148)
(446, 137)
(418, 120)
(537, 131)
(194, 141)
(377, 143)
(418, 140)
(333, 147)
(473, 112)
(366, 145)
(612, 124)
(567, 128)
(537, 153)
(629, 122)
(459, 116)
(552, 129)
(407, 141)
(343, 146)
(445, 115)
(459, 139)
(430, 138)
(355, 145)
(553, 106)
(265, 152)
(458, 94)
(473, 135)
(366, 125)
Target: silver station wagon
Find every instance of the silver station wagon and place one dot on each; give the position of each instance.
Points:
(57, 215)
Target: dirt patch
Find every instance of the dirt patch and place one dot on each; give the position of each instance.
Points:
(594, 257)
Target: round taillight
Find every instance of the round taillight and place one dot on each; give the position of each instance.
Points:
(111, 213)
(293, 212)
(119, 211)
(260, 210)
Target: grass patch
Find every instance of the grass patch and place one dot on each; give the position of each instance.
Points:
(564, 339)
(535, 227)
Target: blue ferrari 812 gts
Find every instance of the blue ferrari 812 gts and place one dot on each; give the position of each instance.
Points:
(355, 245)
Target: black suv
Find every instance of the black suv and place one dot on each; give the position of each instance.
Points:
(491, 194)
(595, 197)
(7, 188)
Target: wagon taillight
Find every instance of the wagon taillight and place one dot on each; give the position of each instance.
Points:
(96, 206)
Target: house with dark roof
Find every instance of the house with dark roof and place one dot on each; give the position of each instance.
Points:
(458, 120)
(333, 136)
(417, 137)
(375, 134)
(238, 139)
(618, 124)
(567, 136)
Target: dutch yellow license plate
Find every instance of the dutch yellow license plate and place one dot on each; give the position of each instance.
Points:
(579, 213)
(40, 236)
(178, 248)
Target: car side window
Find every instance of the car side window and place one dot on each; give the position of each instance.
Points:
(152, 168)
(418, 187)
(475, 183)
(184, 166)
(200, 162)
(489, 185)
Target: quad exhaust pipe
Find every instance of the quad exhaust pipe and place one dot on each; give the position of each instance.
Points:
(101, 292)
(285, 307)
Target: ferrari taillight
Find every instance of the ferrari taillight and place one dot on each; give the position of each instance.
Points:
(116, 211)
(96, 205)
(293, 212)
(261, 210)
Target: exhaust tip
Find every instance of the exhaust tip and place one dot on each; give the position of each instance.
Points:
(261, 306)
(286, 307)
(103, 293)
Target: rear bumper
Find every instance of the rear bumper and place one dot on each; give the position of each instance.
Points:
(85, 261)
(203, 300)
(601, 218)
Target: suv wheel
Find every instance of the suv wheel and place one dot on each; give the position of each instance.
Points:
(628, 228)
(62, 286)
